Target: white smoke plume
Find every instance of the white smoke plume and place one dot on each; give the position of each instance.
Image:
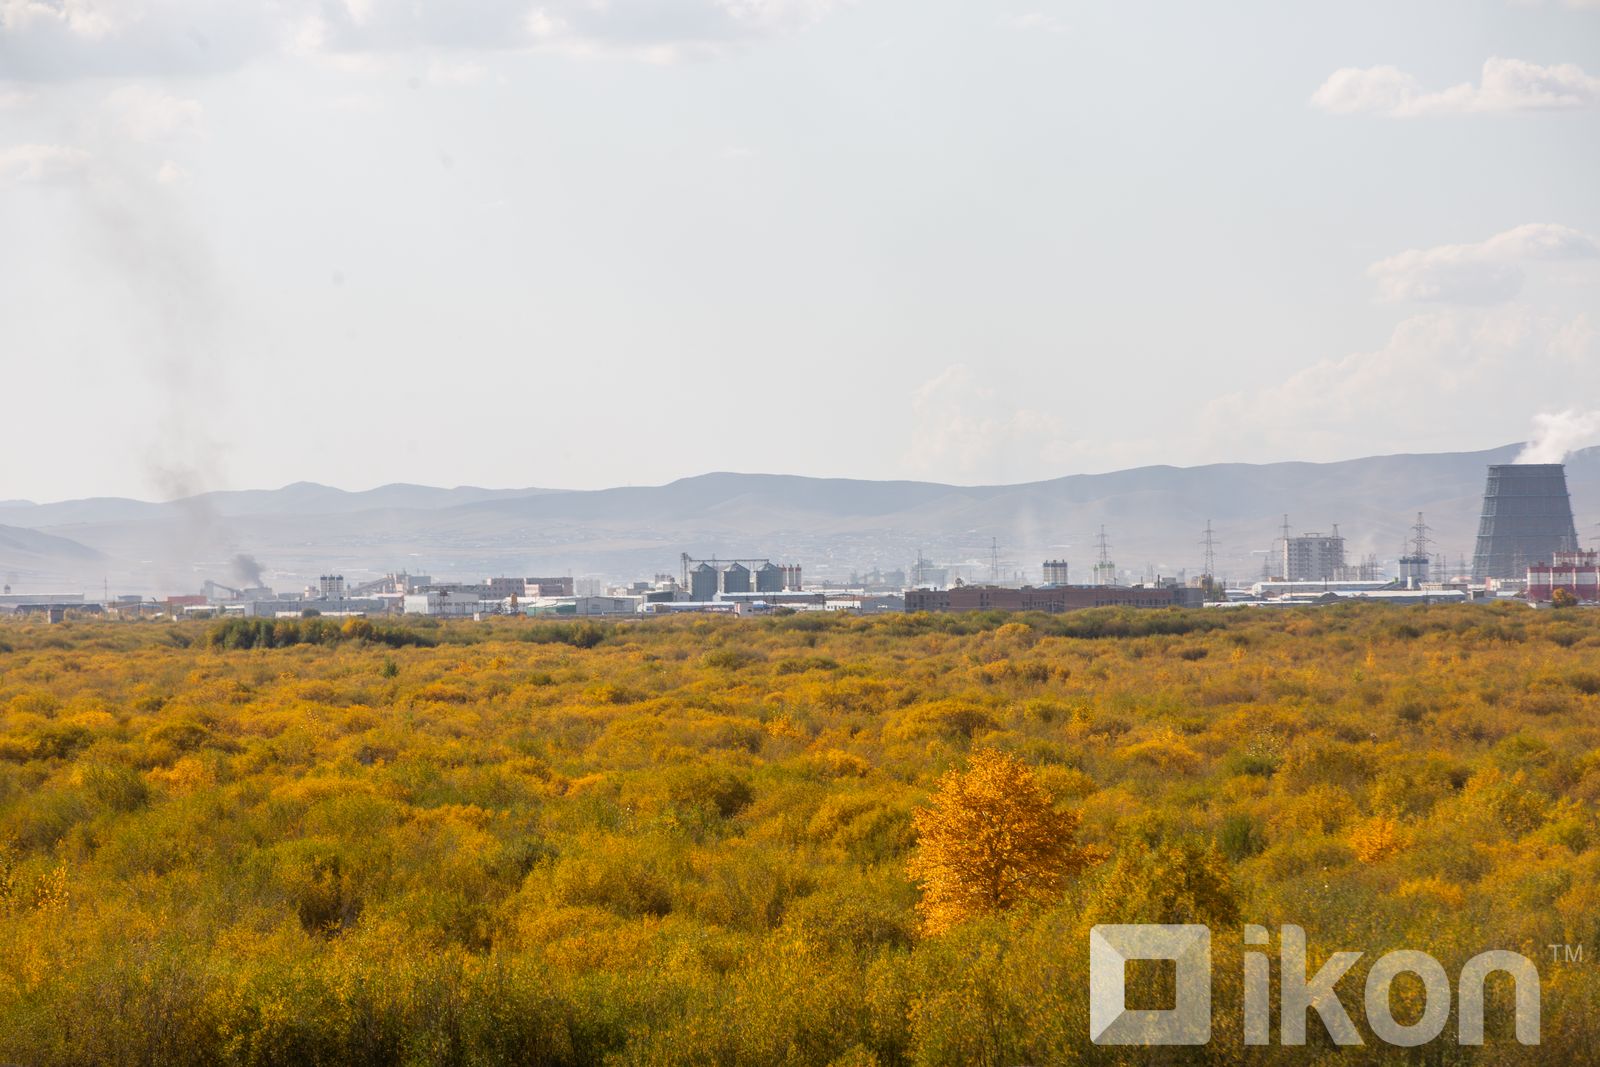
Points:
(1557, 434)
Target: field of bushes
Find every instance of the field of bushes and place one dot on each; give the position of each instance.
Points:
(688, 840)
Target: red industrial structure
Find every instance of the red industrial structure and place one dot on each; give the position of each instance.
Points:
(1576, 572)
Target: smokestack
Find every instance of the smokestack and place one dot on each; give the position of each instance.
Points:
(1527, 519)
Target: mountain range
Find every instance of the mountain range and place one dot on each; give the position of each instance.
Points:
(1154, 518)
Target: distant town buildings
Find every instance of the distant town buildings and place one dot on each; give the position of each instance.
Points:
(1527, 548)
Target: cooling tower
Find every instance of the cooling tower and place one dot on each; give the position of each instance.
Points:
(1527, 518)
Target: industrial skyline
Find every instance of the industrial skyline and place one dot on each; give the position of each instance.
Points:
(375, 242)
(1527, 541)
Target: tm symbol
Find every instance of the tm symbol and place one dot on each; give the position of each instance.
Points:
(1565, 953)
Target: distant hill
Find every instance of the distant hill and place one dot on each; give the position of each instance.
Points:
(1154, 517)
(33, 558)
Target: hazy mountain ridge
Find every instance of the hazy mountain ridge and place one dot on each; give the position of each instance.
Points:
(1154, 517)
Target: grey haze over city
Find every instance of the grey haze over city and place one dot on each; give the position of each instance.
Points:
(966, 279)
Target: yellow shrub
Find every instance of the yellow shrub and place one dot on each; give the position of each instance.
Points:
(1376, 839)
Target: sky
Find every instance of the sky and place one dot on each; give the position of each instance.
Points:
(576, 244)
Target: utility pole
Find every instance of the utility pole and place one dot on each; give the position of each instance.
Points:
(1211, 551)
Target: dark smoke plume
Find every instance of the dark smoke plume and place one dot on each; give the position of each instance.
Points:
(246, 571)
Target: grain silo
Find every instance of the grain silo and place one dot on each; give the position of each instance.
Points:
(736, 578)
(769, 578)
(703, 582)
(1527, 519)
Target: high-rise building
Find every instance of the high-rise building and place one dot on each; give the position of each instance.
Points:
(1313, 557)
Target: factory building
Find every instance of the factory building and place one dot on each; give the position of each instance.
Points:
(54, 613)
(274, 608)
(500, 588)
(705, 578)
(1056, 572)
(1267, 590)
(1576, 572)
(1313, 557)
(1527, 519)
(547, 587)
(1415, 570)
(13, 602)
(780, 598)
(1053, 599)
(444, 603)
(582, 606)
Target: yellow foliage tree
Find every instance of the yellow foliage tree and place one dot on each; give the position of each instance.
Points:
(989, 840)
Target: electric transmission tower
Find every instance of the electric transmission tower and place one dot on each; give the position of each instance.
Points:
(1105, 572)
(1419, 536)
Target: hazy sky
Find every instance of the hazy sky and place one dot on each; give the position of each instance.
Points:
(575, 243)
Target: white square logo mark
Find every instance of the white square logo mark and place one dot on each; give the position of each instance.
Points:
(1188, 1022)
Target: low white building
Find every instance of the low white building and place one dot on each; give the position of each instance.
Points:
(582, 606)
(1263, 590)
(446, 604)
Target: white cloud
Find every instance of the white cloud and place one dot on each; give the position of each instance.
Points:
(148, 114)
(1507, 85)
(171, 173)
(965, 430)
(81, 18)
(1035, 22)
(456, 72)
(70, 38)
(669, 30)
(41, 163)
(55, 40)
(1441, 378)
(1488, 272)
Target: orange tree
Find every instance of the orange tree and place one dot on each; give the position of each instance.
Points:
(989, 840)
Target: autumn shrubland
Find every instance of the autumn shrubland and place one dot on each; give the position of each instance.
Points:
(717, 841)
